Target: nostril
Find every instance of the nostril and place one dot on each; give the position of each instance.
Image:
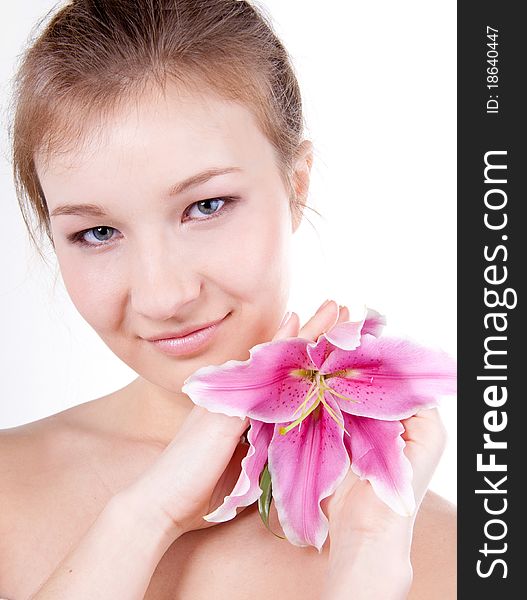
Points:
(161, 302)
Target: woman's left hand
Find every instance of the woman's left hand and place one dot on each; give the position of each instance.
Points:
(355, 509)
(366, 536)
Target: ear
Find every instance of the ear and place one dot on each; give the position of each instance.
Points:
(300, 180)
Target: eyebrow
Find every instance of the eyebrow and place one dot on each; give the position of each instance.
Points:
(94, 210)
(200, 178)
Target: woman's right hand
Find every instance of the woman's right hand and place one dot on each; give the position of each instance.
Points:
(201, 465)
(193, 473)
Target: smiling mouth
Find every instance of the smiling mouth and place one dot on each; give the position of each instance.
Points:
(184, 332)
(189, 343)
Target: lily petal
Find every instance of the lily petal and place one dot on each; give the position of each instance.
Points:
(247, 489)
(262, 387)
(376, 448)
(347, 335)
(306, 465)
(318, 351)
(374, 323)
(389, 378)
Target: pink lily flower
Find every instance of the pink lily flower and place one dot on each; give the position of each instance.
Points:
(317, 408)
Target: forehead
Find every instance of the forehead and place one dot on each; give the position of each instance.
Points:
(159, 130)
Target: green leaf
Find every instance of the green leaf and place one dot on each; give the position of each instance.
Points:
(264, 501)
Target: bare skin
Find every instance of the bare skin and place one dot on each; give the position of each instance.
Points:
(61, 471)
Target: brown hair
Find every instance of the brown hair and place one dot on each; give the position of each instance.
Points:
(94, 54)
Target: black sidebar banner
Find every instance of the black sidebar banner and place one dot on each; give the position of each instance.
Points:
(492, 269)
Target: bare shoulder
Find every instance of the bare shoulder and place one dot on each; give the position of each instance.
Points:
(28, 466)
(434, 550)
(56, 475)
(70, 450)
(31, 454)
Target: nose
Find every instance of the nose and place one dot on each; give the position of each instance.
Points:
(162, 284)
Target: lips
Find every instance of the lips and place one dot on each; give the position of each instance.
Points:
(196, 340)
(182, 332)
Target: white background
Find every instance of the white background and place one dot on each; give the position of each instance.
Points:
(379, 87)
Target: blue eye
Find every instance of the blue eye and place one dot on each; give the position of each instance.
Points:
(207, 207)
(210, 208)
(101, 234)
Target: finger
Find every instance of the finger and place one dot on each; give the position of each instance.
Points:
(425, 438)
(229, 477)
(323, 320)
(344, 314)
(423, 424)
(216, 424)
(289, 328)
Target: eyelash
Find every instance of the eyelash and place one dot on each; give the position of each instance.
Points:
(77, 238)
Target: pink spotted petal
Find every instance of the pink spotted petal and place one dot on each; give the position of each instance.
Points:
(376, 448)
(247, 489)
(318, 351)
(261, 387)
(306, 466)
(389, 378)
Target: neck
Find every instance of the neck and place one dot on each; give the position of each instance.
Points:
(152, 413)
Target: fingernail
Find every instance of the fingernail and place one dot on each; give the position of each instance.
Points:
(286, 318)
(323, 305)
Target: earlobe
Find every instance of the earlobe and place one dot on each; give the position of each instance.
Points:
(301, 177)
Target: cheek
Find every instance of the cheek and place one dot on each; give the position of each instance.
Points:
(254, 263)
(94, 289)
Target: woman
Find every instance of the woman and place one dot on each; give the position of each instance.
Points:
(159, 144)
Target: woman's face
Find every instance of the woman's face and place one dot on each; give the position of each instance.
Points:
(174, 218)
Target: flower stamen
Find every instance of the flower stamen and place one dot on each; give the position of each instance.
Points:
(318, 387)
(284, 430)
(334, 393)
(311, 392)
